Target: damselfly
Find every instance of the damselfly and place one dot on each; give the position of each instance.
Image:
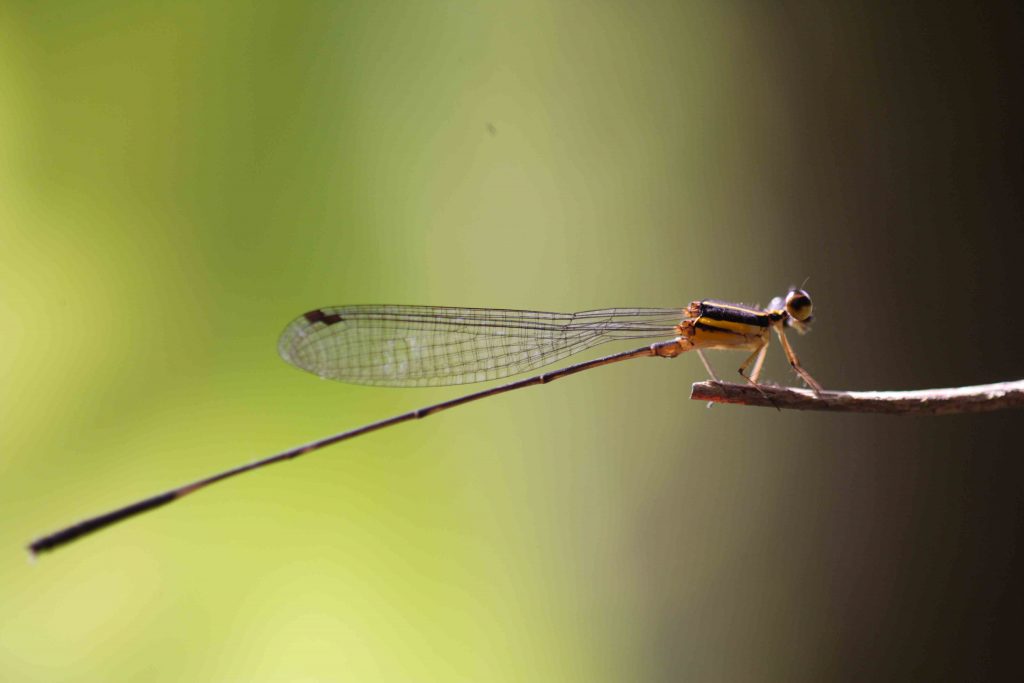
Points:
(413, 346)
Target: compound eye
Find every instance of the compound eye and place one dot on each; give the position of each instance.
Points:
(798, 305)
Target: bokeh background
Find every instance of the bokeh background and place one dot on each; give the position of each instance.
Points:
(179, 180)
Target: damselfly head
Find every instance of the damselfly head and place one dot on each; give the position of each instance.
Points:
(800, 309)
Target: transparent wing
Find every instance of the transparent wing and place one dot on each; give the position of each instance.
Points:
(410, 346)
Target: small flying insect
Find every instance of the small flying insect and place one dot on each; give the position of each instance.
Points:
(415, 346)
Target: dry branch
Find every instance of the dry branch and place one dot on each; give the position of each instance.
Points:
(976, 399)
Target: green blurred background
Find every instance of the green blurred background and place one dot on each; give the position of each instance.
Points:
(179, 180)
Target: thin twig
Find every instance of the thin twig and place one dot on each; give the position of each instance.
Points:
(977, 399)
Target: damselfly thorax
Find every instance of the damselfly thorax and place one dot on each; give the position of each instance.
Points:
(714, 324)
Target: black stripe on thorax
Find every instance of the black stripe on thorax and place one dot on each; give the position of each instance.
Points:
(716, 310)
(706, 327)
